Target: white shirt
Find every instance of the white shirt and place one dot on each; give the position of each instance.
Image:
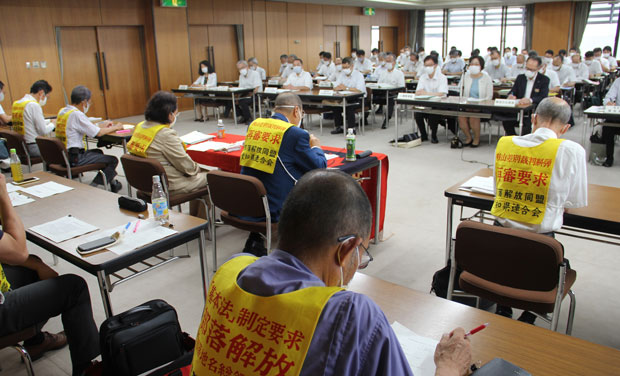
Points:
(612, 94)
(354, 81)
(529, 86)
(395, 78)
(437, 84)
(566, 74)
(261, 71)
(327, 69)
(301, 79)
(288, 71)
(414, 67)
(251, 80)
(363, 67)
(334, 76)
(515, 71)
(554, 80)
(582, 72)
(210, 80)
(568, 187)
(594, 67)
(379, 70)
(34, 121)
(282, 68)
(403, 60)
(496, 73)
(78, 125)
(604, 62)
(1, 110)
(510, 61)
(613, 63)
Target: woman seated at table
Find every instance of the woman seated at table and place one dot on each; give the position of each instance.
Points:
(155, 138)
(477, 85)
(207, 78)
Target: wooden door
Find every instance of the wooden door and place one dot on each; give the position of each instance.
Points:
(388, 37)
(198, 48)
(225, 55)
(329, 40)
(80, 64)
(124, 70)
(343, 35)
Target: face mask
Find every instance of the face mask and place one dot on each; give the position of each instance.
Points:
(290, 65)
(382, 64)
(508, 54)
(588, 62)
(429, 70)
(407, 53)
(453, 60)
(43, 101)
(474, 69)
(297, 69)
(347, 71)
(253, 68)
(244, 72)
(204, 69)
(571, 54)
(173, 121)
(556, 67)
(360, 59)
(495, 63)
(86, 108)
(354, 55)
(605, 56)
(1, 97)
(575, 65)
(339, 68)
(549, 60)
(529, 74)
(388, 66)
(520, 65)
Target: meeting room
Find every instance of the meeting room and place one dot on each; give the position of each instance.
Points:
(296, 187)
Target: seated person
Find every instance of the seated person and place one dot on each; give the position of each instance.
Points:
(582, 72)
(392, 76)
(414, 65)
(253, 63)
(535, 197)
(517, 68)
(283, 64)
(374, 57)
(565, 73)
(327, 67)
(299, 153)
(609, 133)
(323, 240)
(598, 56)
(432, 82)
(380, 67)
(27, 116)
(454, 66)
(594, 66)
(289, 67)
(73, 126)
(554, 80)
(530, 87)
(31, 293)
(363, 65)
(247, 79)
(477, 84)
(155, 138)
(4, 118)
(495, 66)
(337, 70)
(207, 78)
(613, 63)
(299, 79)
(548, 58)
(350, 80)
(320, 61)
(509, 58)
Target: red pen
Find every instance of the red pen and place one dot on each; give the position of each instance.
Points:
(476, 329)
(138, 225)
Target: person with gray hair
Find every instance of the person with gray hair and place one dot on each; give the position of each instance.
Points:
(253, 63)
(289, 67)
(248, 79)
(392, 76)
(537, 175)
(72, 125)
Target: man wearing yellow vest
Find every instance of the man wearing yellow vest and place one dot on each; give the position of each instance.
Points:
(538, 175)
(31, 293)
(27, 116)
(72, 125)
(289, 313)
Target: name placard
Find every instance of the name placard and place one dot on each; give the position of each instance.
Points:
(271, 90)
(326, 92)
(612, 109)
(273, 82)
(506, 102)
(410, 96)
(325, 84)
(182, 87)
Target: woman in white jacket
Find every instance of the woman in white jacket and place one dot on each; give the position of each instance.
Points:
(207, 78)
(479, 85)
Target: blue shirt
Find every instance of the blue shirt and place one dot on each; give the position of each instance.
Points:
(474, 91)
(352, 337)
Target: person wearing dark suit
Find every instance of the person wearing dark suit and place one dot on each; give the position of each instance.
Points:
(530, 87)
(299, 153)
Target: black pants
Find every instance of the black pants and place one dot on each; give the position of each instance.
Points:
(32, 302)
(379, 98)
(609, 137)
(81, 157)
(433, 122)
(509, 126)
(338, 121)
(243, 105)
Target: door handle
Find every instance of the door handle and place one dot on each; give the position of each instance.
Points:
(105, 72)
(99, 71)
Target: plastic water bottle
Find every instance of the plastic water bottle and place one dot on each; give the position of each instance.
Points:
(16, 167)
(159, 201)
(350, 145)
(220, 129)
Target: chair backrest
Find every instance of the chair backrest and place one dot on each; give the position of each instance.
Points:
(509, 257)
(237, 194)
(52, 150)
(15, 141)
(139, 172)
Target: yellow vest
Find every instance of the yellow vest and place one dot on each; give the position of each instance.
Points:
(522, 177)
(4, 283)
(61, 126)
(17, 117)
(245, 334)
(262, 144)
(143, 138)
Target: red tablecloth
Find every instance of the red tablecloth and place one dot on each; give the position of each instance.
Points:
(230, 162)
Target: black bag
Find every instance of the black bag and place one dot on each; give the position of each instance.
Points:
(439, 286)
(141, 339)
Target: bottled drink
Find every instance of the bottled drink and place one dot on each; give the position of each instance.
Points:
(159, 201)
(350, 145)
(220, 129)
(16, 167)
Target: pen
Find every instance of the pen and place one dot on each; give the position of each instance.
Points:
(137, 225)
(476, 330)
(127, 226)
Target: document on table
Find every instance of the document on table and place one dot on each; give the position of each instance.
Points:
(18, 199)
(216, 146)
(196, 137)
(147, 232)
(63, 228)
(11, 187)
(330, 156)
(418, 350)
(479, 184)
(46, 189)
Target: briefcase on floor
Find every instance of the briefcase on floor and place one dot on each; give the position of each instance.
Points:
(141, 339)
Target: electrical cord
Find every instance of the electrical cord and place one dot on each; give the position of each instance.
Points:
(473, 161)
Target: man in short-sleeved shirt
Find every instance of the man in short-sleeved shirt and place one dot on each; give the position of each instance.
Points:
(299, 79)
(348, 80)
(34, 123)
(432, 82)
(394, 77)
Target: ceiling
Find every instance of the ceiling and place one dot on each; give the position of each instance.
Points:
(423, 4)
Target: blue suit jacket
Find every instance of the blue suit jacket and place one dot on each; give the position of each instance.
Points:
(298, 157)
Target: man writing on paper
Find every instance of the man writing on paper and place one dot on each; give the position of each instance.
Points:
(73, 126)
(27, 116)
(538, 175)
(288, 151)
(293, 306)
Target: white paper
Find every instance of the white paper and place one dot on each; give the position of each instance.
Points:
(11, 188)
(418, 350)
(128, 126)
(479, 184)
(63, 228)
(346, 92)
(195, 137)
(209, 145)
(18, 199)
(283, 91)
(46, 189)
(237, 88)
(330, 156)
(132, 241)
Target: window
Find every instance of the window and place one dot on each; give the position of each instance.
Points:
(375, 37)
(460, 30)
(601, 27)
(515, 28)
(433, 31)
(488, 29)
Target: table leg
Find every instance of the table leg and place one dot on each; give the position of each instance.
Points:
(213, 238)
(254, 105)
(449, 250)
(105, 294)
(387, 106)
(372, 99)
(260, 107)
(520, 122)
(396, 123)
(378, 204)
(234, 108)
(344, 116)
(125, 152)
(363, 115)
(204, 267)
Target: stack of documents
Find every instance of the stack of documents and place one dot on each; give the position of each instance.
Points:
(478, 184)
(217, 146)
(45, 190)
(18, 199)
(418, 350)
(196, 137)
(63, 228)
(146, 232)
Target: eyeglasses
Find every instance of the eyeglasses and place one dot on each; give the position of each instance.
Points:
(365, 259)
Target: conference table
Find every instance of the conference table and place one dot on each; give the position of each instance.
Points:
(537, 350)
(594, 113)
(387, 91)
(100, 208)
(372, 171)
(218, 94)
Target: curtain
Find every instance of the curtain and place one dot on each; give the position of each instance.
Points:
(239, 36)
(582, 11)
(529, 25)
(415, 30)
(355, 38)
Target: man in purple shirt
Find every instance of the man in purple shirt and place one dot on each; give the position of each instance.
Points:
(323, 232)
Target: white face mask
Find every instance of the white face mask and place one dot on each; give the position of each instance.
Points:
(297, 69)
(1, 97)
(571, 54)
(529, 74)
(243, 72)
(521, 65)
(382, 64)
(338, 68)
(43, 101)
(429, 70)
(556, 67)
(588, 62)
(474, 69)
(453, 60)
(548, 60)
(253, 67)
(575, 65)
(290, 65)
(605, 55)
(360, 59)
(173, 121)
(347, 71)
(495, 62)
(388, 66)
(354, 55)
(86, 108)
(508, 54)
(204, 69)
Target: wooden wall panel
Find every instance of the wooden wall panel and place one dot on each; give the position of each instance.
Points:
(392, 17)
(227, 12)
(551, 27)
(296, 16)
(248, 40)
(8, 98)
(365, 30)
(277, 40)
(351, 15)
(76, 13)
(314, 34)
(200, 12)
(259, 34)
(123, 12)
(379, 19)
(332, 15)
